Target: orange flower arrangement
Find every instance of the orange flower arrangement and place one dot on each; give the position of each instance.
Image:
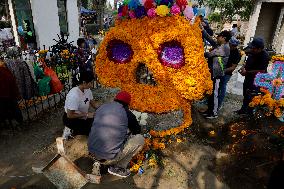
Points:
(140, 42)
(175, 87)
(27, 103)
(278, 57)
(273, 106)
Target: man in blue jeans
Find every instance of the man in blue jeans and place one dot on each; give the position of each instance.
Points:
(217, 61)
(232, 63)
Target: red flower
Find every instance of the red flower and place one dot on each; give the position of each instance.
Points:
(124, 10)
(181, 3)
(149, 4)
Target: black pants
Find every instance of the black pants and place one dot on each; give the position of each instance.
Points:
(78, 126)
(248, 89)
(9, 109)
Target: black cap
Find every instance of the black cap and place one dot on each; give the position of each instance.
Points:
(225, 34)
(257, 42)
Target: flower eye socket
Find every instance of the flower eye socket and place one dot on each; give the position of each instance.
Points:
(171, 54)
(119, 51)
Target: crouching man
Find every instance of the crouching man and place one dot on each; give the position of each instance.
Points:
(115, 135)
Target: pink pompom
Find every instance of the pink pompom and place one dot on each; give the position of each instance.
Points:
(175, 10)
(132, 14)
(152, 12)
(188, 12)
(119, 15)
(142, 2)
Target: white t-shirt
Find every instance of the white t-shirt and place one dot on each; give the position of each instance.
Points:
(78, 100)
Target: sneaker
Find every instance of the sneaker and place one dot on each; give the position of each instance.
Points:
(118, 171)
(211, 116)
(66, 132)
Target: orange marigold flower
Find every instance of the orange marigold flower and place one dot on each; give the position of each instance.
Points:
(277, 82)
(278, 112)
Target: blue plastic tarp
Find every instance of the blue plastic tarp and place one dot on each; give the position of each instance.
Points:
(86, 11)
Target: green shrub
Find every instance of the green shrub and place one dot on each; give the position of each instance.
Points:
(214, 17)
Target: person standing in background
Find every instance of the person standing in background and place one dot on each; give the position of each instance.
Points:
(232, 63)
(257, 61)
(234, 30)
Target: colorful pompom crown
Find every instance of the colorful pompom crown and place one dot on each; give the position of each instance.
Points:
(153, 8)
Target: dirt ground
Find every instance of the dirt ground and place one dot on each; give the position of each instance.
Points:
(224, 160)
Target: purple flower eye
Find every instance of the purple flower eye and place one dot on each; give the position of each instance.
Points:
(119, 52)
(171, 54)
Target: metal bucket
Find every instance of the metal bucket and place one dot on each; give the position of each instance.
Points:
(64, 174)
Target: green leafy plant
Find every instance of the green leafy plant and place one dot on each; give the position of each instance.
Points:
(229, 8)
(214, 17)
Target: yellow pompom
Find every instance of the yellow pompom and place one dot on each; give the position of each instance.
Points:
(162, 10)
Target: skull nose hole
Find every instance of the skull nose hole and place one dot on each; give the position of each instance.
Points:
(144, 75)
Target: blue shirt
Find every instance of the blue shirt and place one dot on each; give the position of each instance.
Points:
(109, 131)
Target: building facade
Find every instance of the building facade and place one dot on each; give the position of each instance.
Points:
(267, 21)
(45, 20)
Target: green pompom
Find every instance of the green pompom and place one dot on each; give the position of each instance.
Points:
(126, 2)
(30, 33)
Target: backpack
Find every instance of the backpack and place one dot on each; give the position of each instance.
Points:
(218, 67)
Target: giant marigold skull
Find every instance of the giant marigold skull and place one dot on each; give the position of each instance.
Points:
(171, 49)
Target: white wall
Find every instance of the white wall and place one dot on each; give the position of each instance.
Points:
(46, 21)
(13, 19)
(73, 20)
(254, 19)
(253, 22)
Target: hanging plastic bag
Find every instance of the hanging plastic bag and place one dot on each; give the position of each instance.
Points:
(55, 84)
(44, 86)
(38, 71)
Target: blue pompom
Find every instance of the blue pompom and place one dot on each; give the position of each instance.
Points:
(133, 4)
(195, 10)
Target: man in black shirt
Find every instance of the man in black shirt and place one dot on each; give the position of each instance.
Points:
(257, 61)
(232, 63)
